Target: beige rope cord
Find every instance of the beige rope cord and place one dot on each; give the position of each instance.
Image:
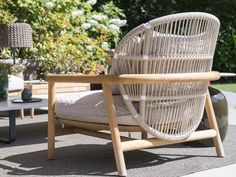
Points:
(180, 43)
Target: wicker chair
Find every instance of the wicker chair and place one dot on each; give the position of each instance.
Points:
(162, 69)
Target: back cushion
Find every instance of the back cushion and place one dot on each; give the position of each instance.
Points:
(115, 87)
(115, 70)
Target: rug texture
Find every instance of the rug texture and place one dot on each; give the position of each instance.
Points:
(79, 155)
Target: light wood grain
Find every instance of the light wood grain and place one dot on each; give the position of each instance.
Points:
(115, 134)
(153, 142)
(51, 120)
(135, 78)
(96, 126)
(213, 124)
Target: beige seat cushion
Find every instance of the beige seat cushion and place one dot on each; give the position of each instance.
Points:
(89, 107)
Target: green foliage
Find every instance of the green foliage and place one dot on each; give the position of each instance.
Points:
(225, 53)
(68, 35)
(140, 11)
(17, 68)
(4, 68)
(225, 87)
(226, 50)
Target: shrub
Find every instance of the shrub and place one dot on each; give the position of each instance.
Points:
(68, 35)
(17, 68)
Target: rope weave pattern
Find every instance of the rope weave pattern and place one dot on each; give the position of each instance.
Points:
(180, 43)
(16, 35)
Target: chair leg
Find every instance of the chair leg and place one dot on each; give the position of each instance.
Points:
(213, 124)
(144, 135)
(119, 155)
(32, 112)
(22, 114)
(115, 134)
(51, 120)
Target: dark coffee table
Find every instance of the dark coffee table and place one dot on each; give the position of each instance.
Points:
(12, 110)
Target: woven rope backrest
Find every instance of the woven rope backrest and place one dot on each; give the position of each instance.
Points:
(180, 43)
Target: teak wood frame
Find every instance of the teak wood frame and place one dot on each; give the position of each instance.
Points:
(122, 144)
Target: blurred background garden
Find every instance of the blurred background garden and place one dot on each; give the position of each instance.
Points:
(75, 35)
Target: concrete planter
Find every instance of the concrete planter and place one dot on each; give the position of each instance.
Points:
(220, 107)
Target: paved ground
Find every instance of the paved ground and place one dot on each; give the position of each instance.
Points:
(231, 99)
(226, 171)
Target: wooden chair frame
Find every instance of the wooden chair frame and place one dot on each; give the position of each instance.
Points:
(122, 144)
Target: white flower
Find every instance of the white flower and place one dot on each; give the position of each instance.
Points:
(89, 47)
(105, 45)
(103, 17)
(113, 27)
(86, 26)
(99, 17)
(118, 22)
(122, 23)
(93, 22)
(92, 2)
(114, 20)
(77, 13)
(49, 5)
(96, 17)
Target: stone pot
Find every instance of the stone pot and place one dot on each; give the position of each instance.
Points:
(20, 75)
(220, 107)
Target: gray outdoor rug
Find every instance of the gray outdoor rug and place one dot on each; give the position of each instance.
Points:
(78, 155)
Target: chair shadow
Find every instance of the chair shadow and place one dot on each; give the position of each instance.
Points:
(90, 160)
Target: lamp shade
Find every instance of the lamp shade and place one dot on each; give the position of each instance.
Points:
(16, 35)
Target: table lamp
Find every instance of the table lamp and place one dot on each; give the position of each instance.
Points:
(15, 35)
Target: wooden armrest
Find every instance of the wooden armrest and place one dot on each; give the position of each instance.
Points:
(134, 78)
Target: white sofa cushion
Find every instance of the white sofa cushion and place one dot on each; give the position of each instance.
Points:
(15, 83)
(89, 107)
